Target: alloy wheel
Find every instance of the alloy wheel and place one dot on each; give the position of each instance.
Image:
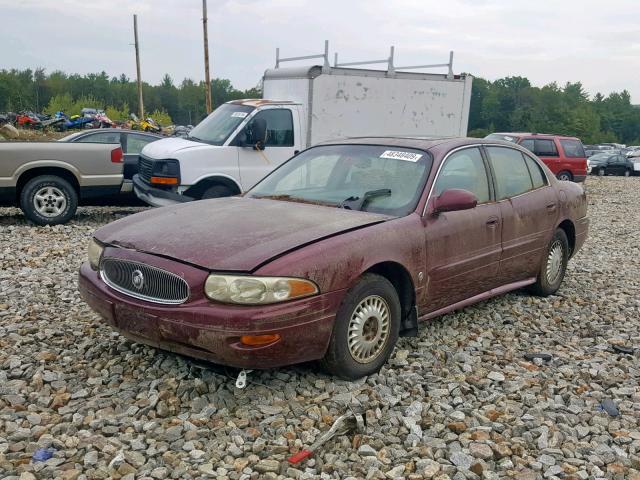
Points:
(369, 329)
(50, 201)
(554, 262)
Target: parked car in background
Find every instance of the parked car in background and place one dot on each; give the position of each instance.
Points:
(48, 179)
(337, 252)
(565, 156)
(613, 164)
(131, 142)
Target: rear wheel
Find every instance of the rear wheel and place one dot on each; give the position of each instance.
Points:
(217, 191)
(554, 265)
(627, 173)
(48, 200)
(366, 329)
(564, 176)
(601, 172)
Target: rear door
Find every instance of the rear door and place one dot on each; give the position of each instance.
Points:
(463, 248)
(529, 210)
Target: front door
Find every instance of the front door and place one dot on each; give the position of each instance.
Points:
(463, 248)
(529, 209)
(279, 146)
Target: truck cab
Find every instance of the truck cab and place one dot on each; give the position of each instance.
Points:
(226, 154)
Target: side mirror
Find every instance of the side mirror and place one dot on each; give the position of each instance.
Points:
(256, 134)
(453, 200)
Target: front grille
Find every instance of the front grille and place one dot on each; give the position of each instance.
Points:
(144, 281)
(145, 168)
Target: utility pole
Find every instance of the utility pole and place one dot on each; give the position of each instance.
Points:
(135, 33)
(207, 78)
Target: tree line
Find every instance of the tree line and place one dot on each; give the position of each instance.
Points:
(508, 104)
(182, 103)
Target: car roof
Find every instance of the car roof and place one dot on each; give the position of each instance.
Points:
(533, 134)
(420, 143)
(108, 130)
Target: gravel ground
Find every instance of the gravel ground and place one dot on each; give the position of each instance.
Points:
(459, 401)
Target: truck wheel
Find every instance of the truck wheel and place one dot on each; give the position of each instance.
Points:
(554, 266)
(564, 176)
(366, 329)
(217, 191)
(48, 200)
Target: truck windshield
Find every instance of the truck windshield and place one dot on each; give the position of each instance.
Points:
(216, 128)
(373, 178)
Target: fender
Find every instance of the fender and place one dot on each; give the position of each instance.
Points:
(217, 175)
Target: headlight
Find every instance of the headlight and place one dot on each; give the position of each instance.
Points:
(94, 253)
(249, 290)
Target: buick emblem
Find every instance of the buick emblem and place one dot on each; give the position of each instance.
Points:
(137, 278)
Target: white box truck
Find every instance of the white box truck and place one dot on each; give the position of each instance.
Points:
(243, 140)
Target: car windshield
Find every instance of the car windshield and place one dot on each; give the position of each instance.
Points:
(381, 179)
(502, 136)
(216, 128)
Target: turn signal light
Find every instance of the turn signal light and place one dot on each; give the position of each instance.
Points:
(259, 340)
(165, 180)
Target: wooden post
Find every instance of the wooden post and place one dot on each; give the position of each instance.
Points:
(207, 78)
(135, 33)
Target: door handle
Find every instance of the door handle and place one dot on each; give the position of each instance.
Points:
(492, 221)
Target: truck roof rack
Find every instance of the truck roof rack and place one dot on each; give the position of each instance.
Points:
(391, 68)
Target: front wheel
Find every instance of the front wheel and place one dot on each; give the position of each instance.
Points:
(48, 200)
(627, 173)
(554, 265)
(217, 191)
(601, 172)
(366, 329)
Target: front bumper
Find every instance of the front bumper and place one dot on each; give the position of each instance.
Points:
(203, 329)
(157, 197)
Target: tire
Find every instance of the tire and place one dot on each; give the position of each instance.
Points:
(48, 200)
(601, 172)
(217, 191)
(552, 270)
(565, 176)
(627, 173)
(375, 293)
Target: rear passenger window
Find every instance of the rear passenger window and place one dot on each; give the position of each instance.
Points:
(511, 172)
(528, 144)
(573, 148)
(465, 170)
(545, 148)
(537, 176)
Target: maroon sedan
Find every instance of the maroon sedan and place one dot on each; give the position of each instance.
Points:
(337, 253)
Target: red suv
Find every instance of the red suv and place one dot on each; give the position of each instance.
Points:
(564, 156)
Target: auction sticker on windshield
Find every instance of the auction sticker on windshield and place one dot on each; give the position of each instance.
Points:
(400, 155)
(239, 114)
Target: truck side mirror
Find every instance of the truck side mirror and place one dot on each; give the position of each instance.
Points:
(257, 135)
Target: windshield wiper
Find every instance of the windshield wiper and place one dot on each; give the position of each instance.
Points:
(356, 203)
(195, 139)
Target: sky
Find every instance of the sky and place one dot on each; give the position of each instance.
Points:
(590, 41)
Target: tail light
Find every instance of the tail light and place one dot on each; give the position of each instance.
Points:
(116, 155)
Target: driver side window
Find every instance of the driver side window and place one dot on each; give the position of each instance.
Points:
(279, 126)
(464, 170)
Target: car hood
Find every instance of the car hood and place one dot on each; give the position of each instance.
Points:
(231, 234)
(168, 147)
